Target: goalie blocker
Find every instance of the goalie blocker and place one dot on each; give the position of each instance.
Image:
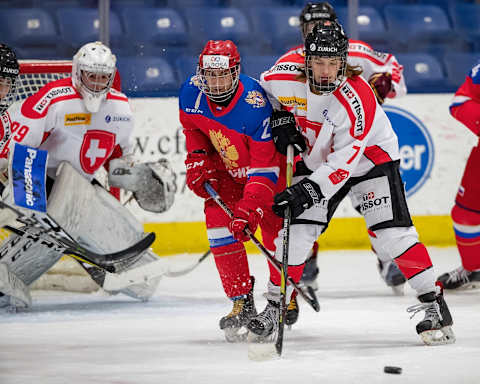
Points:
(72, 199)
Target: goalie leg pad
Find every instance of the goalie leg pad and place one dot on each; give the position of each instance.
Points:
(98, 221)
(28, 257)
(14, 288)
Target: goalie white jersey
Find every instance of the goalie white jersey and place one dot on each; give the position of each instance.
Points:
(347, 132)
(56, 119)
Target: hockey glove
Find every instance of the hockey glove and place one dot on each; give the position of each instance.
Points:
(247, 213)
(298, 197)
(381, 84)
(200, 169)
(285, 132)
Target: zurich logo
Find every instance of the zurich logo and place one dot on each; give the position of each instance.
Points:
(108, 118)
(416, 148)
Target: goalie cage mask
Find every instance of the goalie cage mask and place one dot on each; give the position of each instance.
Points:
(93, 59)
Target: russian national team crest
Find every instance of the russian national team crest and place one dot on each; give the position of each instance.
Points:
(416, 148)
(256, 99)
(97, 146)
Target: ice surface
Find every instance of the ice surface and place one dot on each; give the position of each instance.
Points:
(92, 338)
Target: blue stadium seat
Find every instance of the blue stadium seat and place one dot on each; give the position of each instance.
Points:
(466, 20)
(334, 3)
(186, 67)
(217, 24)
(147, 74)
(23, 27)
(79, 26)
(423, 72)
(253, 66)
(410, 24)
(371, 27)
(257, 3)
(182, 4)
(159, 26)
(458, 65)
(276, 29)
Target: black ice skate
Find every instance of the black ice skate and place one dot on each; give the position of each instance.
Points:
(310, 272)
(265, 324)
(460, 278)
(235, 322)
(292, 311)
(436, 327)
(392, 276)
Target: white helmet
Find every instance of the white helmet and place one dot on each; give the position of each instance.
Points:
(93, 59)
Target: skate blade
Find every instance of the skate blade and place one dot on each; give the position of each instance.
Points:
(398, 290)
(441, 336)
(261, 348)
(236, 335)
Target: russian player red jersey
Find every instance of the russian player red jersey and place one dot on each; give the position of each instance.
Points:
(465, 104)
(238, 137)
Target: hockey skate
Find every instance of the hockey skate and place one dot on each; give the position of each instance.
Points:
(263, 330)
(310, 272)
(292, 311)
(436, 327)
(234, 324)
(392, 276)
(460, 278)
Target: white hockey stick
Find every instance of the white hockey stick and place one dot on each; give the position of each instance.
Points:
(144, 273)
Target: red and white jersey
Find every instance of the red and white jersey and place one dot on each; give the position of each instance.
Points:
(363, 55)
(55, 119)
(347, 132)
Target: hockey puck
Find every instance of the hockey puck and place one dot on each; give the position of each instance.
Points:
(394, 370)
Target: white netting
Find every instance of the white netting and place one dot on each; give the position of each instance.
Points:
(34, 74)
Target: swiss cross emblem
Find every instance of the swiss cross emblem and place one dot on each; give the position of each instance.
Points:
(97, 146)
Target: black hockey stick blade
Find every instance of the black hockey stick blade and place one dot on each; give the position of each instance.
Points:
(313, 297)
(111, 259)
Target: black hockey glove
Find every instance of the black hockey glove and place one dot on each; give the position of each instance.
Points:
(285, 132)
(299, 197)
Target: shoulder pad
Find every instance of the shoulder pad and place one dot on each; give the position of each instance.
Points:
(37, 105)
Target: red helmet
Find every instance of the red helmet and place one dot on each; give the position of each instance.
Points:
(219, 69)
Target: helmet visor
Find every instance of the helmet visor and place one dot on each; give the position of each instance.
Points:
(218, 84)
(325, 74)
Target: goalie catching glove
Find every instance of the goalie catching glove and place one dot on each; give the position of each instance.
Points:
(285, 132)
(152, 184)
(298, 197)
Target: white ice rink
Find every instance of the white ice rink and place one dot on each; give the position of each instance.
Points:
(92, 338)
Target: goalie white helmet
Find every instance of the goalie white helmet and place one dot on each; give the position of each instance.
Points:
(93, 71)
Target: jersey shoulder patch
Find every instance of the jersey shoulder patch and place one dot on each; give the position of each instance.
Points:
(37, 105)
(359, 101)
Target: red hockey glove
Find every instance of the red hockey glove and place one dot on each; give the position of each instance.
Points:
(246, 213)
(381, 84)
(199, 170)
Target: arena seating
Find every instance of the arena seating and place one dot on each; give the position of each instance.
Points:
(176, 30)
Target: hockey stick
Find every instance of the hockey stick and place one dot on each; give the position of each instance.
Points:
(284, 270)
(313, 302)
(184, 271)
(54, 233)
